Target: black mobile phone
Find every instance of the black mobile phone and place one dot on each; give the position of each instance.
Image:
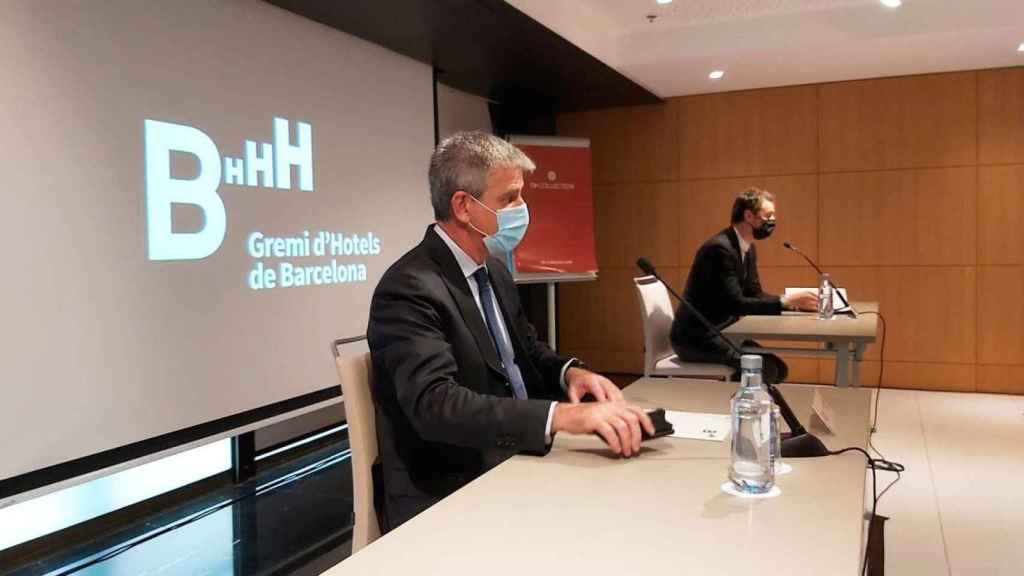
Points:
(662, 427)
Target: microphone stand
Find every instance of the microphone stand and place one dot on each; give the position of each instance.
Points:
(801, 443)
(835, 288)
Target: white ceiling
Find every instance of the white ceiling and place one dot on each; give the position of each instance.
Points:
(784, 42)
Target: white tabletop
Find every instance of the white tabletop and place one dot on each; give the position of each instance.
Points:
(582, 511)
(807, 327)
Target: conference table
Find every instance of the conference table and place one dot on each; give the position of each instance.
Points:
(580, 510)
(842, 337)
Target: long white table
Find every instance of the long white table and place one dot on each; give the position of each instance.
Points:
(580, 510)
(843, 338)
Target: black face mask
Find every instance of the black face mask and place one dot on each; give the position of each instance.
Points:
(765, 230)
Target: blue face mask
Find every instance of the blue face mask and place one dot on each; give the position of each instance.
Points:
(512, 224)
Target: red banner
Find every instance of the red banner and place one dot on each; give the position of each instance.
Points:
(560, 238)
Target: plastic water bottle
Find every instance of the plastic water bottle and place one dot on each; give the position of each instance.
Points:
(826, 309)
(752, 469)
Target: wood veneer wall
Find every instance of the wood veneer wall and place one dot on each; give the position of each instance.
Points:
(910, 190)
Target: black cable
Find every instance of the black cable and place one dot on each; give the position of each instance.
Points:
(875, 464)
(880, 463)
(284, 480)
(881, 369)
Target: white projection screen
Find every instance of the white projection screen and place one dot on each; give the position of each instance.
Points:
(198, 198)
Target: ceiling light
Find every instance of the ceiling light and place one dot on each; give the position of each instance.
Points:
(664, 1)
(716, 74)
(892, 3)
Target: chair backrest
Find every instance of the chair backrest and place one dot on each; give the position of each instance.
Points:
(657, 314)
(356, 376)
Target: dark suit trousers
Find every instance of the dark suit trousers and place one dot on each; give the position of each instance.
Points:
(715, 351)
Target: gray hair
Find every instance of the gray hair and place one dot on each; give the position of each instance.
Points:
(462, 162)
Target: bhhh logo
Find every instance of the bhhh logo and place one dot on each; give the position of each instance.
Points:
(268, 164)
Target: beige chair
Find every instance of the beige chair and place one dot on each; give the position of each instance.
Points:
(659, 359)
(356, 376)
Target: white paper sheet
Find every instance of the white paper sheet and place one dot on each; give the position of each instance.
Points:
(699, 425)
(837, 304)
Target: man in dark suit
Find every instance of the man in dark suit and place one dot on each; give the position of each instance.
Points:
(724, 284)
(461, 382)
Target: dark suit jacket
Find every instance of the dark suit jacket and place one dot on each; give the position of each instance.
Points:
(445, 411)
(723, 286)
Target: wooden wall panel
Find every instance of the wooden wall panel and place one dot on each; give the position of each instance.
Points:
(599, 322)
(802, 370)
(1001, 315)
(618, 211)
(910, 375)
(605, 149)
(903, 217)
(633, 220)
(930, 311)
(1001, 379)
(652, 143)
(775, 279)
(624, 333)
(1001, 116)
(580, 320)
(930, 376)
(661, 217)
(607, 225)
(705, 207)
(1001, 214)
(633, 144)
(868, 372)
(906, 122)
(910, 191)
(758, 132)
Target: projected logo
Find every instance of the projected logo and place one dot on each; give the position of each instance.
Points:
(279, 261)
(268, 164)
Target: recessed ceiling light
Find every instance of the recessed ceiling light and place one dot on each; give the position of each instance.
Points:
(716, 74)
(664, 1)
(892, 3)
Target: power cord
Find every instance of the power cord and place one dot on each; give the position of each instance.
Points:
(878, 386)
(875, 464)
(881, 369)
(880, 463)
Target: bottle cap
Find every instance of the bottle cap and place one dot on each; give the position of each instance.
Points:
(750, 362)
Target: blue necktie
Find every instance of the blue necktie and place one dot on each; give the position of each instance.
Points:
(501, 339)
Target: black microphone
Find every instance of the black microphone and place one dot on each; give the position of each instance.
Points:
(835, 288)
(801, 443)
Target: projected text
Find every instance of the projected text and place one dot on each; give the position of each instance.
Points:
(287, 273)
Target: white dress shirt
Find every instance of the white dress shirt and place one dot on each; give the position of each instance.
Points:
(744, 245)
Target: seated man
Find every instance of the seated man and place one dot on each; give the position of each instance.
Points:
(724, 284)
(460, 381)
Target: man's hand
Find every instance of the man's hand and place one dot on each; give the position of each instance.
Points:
(618, 423)
(580, 382)
(805, 301)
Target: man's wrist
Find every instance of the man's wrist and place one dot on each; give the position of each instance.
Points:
(572, 363)
(549, 431)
